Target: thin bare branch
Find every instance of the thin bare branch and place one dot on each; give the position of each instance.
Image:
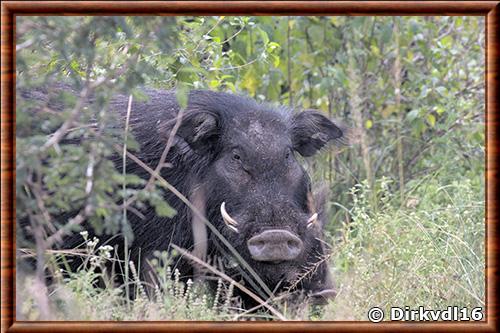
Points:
(161, 164)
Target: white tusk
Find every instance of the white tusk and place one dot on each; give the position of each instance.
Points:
(312, 220)
(230, 222)
(226, 216)
(232, 228)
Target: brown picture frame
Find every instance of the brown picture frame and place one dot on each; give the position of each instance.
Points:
(10, 9)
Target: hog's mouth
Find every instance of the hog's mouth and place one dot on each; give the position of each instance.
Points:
(272, 246)
(232, 224)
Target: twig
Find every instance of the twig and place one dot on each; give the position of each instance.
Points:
(124, 187)
(212, 69)
(234, 35)
(61, 132)
(289, 64)
(30, 253)
(40, 289)
(397, 93)
(310, 270)
(36, 189)
(87, 210)
(25, 44)
(275, 299)
(163, 157)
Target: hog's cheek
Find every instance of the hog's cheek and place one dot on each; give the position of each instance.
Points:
(230, 176)
(295, 173)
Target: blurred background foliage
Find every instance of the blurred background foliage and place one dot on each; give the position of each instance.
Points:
(407, 198)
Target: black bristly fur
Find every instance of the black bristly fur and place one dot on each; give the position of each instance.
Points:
(242, 153)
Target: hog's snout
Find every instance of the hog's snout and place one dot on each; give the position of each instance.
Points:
(275, 246)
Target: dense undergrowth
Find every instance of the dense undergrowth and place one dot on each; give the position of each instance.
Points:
(430, 253)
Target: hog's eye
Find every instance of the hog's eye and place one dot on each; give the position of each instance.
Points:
(287, 154)
(236, 156)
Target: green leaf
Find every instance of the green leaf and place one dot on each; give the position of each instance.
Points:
(441, 90)
(250, 82)
(273, 46)
(431, 120)
(388, 110)
(412, 115)
(162, 208)
(375, 50)
(265, 37)
(214, 83)
(440, 110)
(424, 92)
(276, 60)
(446, 41)
(368, 124)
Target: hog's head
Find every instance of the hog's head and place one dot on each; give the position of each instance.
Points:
(258, 194)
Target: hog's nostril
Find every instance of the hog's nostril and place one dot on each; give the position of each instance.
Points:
(259, 245)
(275, 246)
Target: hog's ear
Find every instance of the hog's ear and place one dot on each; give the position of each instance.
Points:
(311, 131)
(200, 130)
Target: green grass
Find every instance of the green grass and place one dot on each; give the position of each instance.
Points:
(427, 252)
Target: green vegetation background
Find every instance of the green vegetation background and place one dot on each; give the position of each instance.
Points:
(407, 199)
